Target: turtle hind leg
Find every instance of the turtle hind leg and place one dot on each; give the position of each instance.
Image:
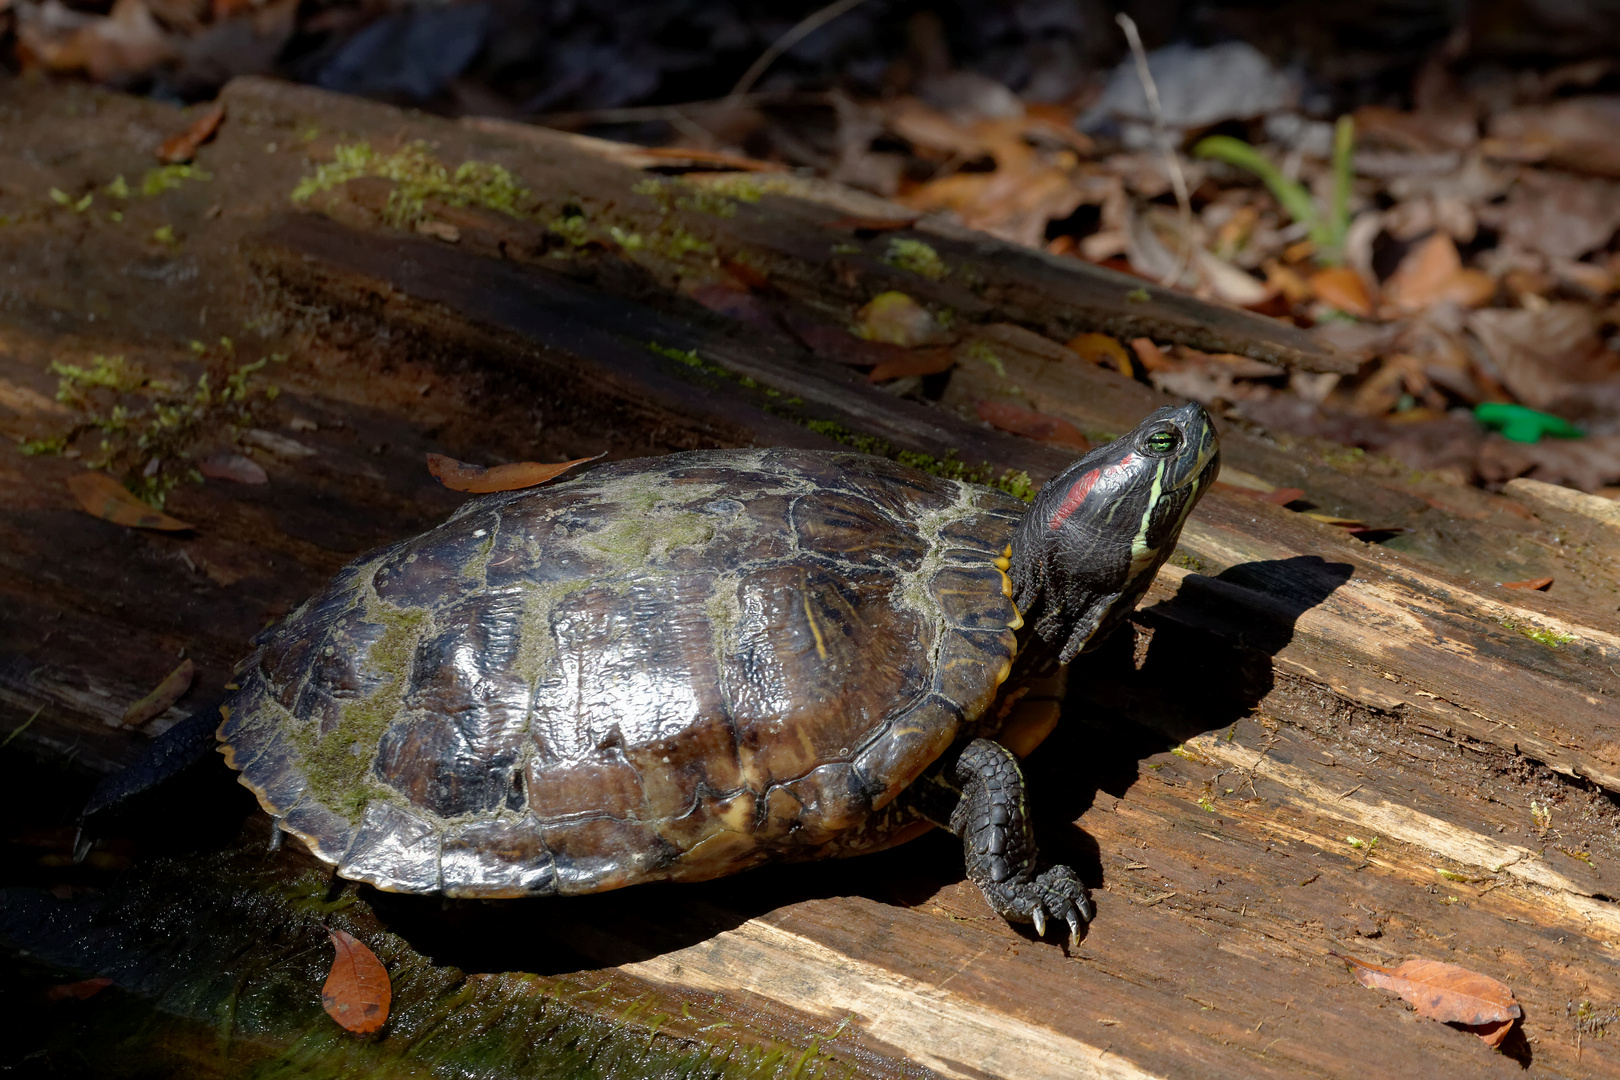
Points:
(177, 779)
(998, 844)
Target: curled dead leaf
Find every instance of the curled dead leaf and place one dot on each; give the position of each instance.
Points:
(1446, 992)
(242, 470)
(1533, 584)
(181, 148)
(170, 690)
(913, 362)
(1102, 350)
(1433, 272)
(1031, 424)
(460, 476)
(357, 992)
(84, 988)
(871, 224)
(104, 497)
(1152, 357)
(1343, 288)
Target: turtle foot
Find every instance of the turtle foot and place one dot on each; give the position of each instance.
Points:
(1056, 896)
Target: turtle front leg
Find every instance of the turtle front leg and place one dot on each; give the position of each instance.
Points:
(998, 844)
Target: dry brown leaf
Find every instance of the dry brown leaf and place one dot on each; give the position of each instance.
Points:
(1577, 133)
(242, 470)
(870, 224)
(128, 41)
(894, 318)
(913, 362)
(1031, 424)
(1553, 358)
(1152, 357)
(84, 988)
(1535, 584)
(460, 476)
(1343, 288)
(357, 992)
(104, 497)
(170, 690)
(678, 155)
(1102, 350)
(181, 148)
(1445, 992)
(1558, 215)
(1433, 272)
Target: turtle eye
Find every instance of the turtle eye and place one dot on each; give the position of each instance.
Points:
(1162, 442)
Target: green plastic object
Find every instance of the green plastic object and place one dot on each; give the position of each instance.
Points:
(1524, 425)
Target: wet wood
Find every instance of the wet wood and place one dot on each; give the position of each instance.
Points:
(1308, 743)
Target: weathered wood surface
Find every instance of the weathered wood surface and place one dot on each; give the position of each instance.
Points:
(1286, 687)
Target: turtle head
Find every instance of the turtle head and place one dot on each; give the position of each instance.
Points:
(1099, 530)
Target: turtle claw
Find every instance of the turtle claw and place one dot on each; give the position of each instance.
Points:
(1039, 918)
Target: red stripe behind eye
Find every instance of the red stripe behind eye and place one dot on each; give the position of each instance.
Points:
(1072, 501)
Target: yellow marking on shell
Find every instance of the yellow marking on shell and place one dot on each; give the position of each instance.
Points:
(1007, 591)
(821, 645)
(1002, 562)
(1006, 669)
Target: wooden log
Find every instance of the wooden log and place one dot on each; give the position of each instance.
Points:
(1307, 743)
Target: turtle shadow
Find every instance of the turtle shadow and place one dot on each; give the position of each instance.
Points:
(553, 936)
(1197, 662)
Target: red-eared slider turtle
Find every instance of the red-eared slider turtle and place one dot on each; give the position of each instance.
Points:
(685, 666)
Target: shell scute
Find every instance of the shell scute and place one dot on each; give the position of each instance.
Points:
(590, 856)
(892, 760)
(820, 659)
(467, 671)
(973, 597)
(498, 857)
(601, 784)
(437, 567)
(856, 530)
(971, 666)
(427, 760)
(393, 849)
(833, 799)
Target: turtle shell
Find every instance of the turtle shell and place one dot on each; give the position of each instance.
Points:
(668, 668)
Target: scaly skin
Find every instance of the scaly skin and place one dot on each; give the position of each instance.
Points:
(998, 844)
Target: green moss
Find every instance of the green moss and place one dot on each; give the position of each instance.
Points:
(1550, 638)
(630, 241)
(683, 243)
(104, 373)
(980, 350)
(691, 359)
(36, 447)
(418, 176)
(150, 445)
(338, 763)
(744, 187)
(1188, 562)
(118, 189)
(1342, 456)
(1012, 481)
(917, 257)
(157, 181)
(572, 228)
(1138, 296)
